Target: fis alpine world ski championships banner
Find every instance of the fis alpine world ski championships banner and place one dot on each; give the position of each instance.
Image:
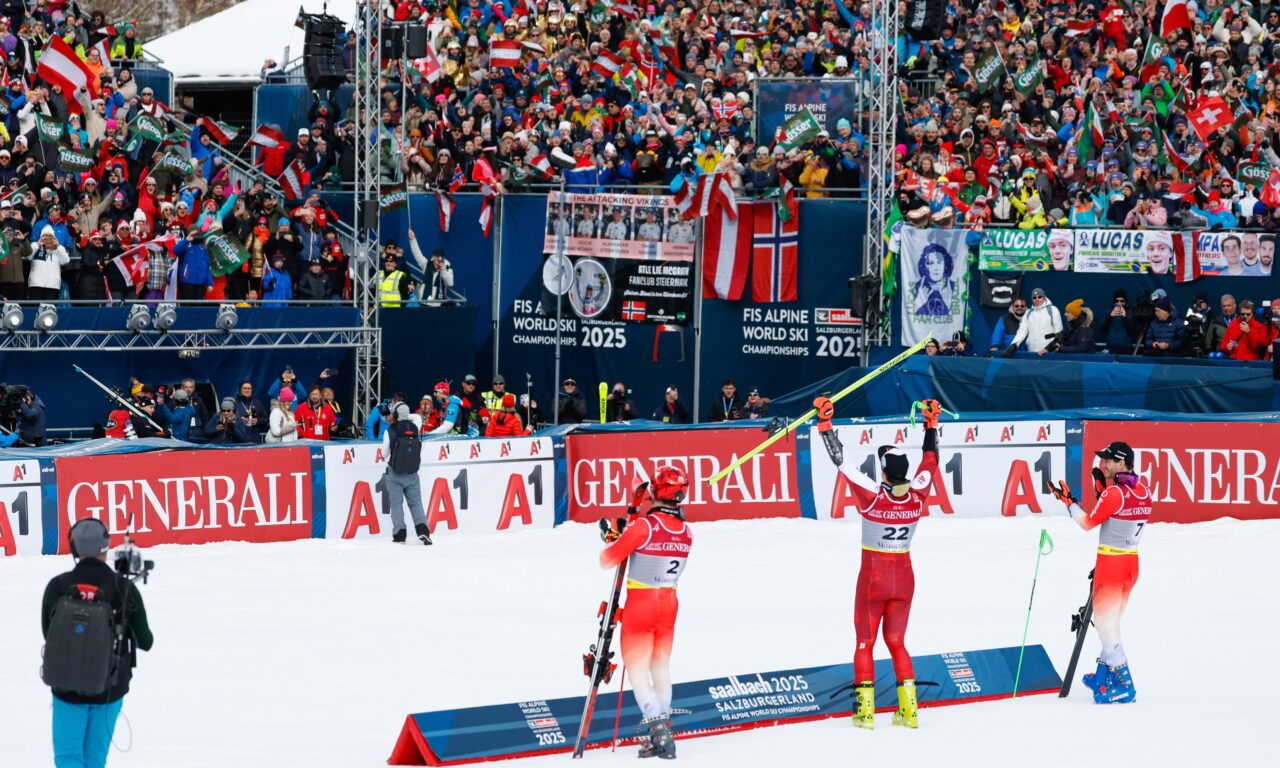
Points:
(828, 99)
(601, 466)
(21, 508)
(719, 705)
(1198, 471)
(619, 257)
(987, 468)
(468, 486)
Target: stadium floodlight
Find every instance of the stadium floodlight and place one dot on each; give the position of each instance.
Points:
(166, 316)
(227, 317)
(46, 318)
(11, 317)
(139, 319)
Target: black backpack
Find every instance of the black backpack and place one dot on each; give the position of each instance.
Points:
(82, 648)
(406, 456)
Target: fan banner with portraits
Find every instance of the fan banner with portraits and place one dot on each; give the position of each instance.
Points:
(1125, 250)
(1026, 250)
(626, 258)
(935, 283)
(1235, 254)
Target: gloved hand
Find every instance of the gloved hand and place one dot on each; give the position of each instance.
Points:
(1008, 351)
(931, 410)
(638, 497)
(609, 532)
(1062, 492)
(826, 409)
(1099, 481)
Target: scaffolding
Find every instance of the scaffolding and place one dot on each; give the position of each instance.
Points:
(368, 226)
(882, 99)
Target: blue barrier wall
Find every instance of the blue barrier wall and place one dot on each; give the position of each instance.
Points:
(286, 105)
(157, 79)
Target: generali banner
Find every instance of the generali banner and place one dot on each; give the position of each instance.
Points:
(189, 497)
(602, 466)
(1199, 471)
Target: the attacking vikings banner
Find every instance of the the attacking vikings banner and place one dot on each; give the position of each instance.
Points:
(935, 283)
(1125, 250)
(618, 257)
(1235, 254)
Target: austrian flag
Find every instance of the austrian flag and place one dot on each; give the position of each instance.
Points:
(505, 53)
(607, 64)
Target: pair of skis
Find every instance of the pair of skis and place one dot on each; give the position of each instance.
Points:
(1080, 621)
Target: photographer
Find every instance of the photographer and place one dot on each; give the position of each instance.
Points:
(85, 707)
(1117, 327)
(1247, 338)
(959, 346)
(48, 257)
(224, 427)
(437, 273)
(573, 404)
(13, 278)
(618, 407)
(31, 422)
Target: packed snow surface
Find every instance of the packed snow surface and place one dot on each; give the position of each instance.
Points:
(312, 653)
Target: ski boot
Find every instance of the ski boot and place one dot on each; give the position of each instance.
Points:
(1096, 678)
(1123, 692)
(864, 709)
(424, 533)
(907, 705)
(398, 537)
(659, 742)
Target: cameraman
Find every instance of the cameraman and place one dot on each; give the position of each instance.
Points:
(83, 724)
(618, 407)
(1117, 326)
(31, 422)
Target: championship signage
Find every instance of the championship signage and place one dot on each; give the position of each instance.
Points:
(21, 508)
(258, 495)
(468, 486)
(817, 332)
(987, 468)
(1198, 471)
(602, 466)
(1235, 254)
(827, 99)
(619, 257)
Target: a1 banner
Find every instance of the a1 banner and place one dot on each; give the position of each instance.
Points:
(21, 508)
(988, 468)
(468, 486)
(190, 497)
(602, 466)
(1198, 471)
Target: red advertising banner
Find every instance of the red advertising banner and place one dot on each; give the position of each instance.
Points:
(1198, 471)
(190, 497)
(601, 467)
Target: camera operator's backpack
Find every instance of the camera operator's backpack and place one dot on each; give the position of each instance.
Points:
(406, 457)
(81, 650)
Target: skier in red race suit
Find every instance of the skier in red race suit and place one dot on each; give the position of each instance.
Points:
(656, 546)
(1121, 512)
(886, 582)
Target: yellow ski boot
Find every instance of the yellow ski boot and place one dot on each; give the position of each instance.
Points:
(906, 714)
(864, 711)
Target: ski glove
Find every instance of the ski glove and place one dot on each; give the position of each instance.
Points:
(1099, 481)
(610, 532)
(638, 497)
(1062, 492)
(931, 410)
(826, 409)
(1009, 350)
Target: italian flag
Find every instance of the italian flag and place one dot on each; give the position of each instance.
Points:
(1091, 134)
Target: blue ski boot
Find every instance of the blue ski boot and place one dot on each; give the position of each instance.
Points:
(1123, 691)
(1097, 678)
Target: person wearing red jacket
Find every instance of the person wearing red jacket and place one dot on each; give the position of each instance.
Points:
(1247, 338)
(506, 422)
(315, 417)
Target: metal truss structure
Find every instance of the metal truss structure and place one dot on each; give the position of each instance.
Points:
(882, 104)
(368, 227)
(195, 340)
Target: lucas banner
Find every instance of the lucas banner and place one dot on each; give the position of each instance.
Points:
(935, 283)
(1235, 254)
(1125, 250)
(827, 100)
(986, 469)
(1026, 250)
(619, 257)
(468, 486)
(603, 464)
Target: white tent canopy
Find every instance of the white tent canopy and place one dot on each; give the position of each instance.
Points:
(230, 46)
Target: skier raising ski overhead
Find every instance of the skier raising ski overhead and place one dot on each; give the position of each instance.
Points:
(886, 582)
(656, 546)
(1120, 514)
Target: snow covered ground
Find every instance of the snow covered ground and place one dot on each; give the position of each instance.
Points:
(311, 653)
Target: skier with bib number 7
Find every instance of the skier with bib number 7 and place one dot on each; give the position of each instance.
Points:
(656, 546)
(886, 582)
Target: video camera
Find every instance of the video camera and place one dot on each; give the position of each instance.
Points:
(128, 562)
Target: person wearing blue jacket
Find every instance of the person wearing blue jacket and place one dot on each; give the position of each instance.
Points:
(180, 416)
(277, 286)
(204, 152)
(195, 276)
(1006, 327)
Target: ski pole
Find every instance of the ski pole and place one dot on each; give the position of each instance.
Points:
(776, 436)
(1045, 540)
(112, 394)
(617, 718)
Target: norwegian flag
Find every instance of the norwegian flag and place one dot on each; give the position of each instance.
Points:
(458, 181)
(607, 64)
(59, 65)
(446, 205)
(1209, 115)
(634, 311)
(725, 111)
(486, 214)
(505, 53)
(775, 255)
(428, 66)
(267, 137)
(294, 180)
(542, 164)
(1186, 257)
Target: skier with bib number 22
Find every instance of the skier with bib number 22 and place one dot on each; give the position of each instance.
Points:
(886, 582)
(658, 545)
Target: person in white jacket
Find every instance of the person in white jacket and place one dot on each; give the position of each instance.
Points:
(44, 275)
(1042, 322)
(438, 272)
(282, 427)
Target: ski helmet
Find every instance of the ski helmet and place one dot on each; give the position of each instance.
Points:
(669, 484)
(894, 463)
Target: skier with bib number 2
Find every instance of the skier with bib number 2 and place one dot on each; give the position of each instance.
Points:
(658, 545)
(886, 582)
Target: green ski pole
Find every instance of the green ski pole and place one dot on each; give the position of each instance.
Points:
(1045, 541)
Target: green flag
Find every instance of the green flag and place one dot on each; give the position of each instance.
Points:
(395, 198)
(1253, 173)
(49, 130)
(990, 70)
(134, 143)
(148, 126)
(889, 265)
(1026, 81)
(799, 128)
(175, 163)
(4, 247)
(74, 159)
(226, 253)
(15, 195)
(1090, 136)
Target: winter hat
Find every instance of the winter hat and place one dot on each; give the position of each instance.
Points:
(1164, 303)
(89, 538)
(283, 222)
(1073, 308)
(228, 403)
(1120, 293)
(442, 388)
(286, 395)
(47, 230)
(843, 123)
(181, 396)
(1038, 293)
(508, 400)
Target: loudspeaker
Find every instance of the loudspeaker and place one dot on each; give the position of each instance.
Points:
(322, 53)
(415, 43)
(864, 291)
(392, 42)
(369, 214)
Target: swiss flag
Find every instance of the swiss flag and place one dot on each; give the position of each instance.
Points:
(1176, 16)
(133, 264)
(1210, 115)
(428, 66)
